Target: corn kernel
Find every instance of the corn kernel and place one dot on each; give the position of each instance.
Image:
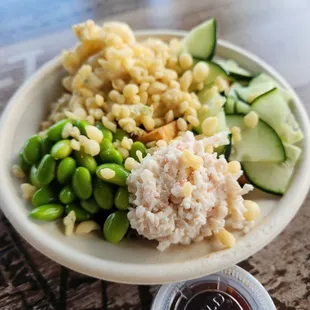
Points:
(253, 210)
(200, 71)
(209, 126)
(185, 60)
(181, 123)
(130, 90)
(191, 160)
(226, 238)
(251, 119)
(233, 167)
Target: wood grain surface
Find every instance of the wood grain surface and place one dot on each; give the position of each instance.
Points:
(34, 31)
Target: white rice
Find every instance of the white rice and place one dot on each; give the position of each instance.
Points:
(164, 214)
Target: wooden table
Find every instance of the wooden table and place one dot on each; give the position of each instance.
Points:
(32, 32)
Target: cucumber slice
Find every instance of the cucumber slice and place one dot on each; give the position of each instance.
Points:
(201, 40)
(275, 111)
(231, 92)
(259, 144)
(224, 149)
(264, 78)
(242, 107)
(273, 177)
(221, 118)
(230, 106)
(250, 93)
(234, 70)
(212, 98)
(214, 71)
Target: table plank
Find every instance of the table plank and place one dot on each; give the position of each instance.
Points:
(274, 30)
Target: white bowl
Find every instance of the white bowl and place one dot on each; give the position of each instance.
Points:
(133, 261)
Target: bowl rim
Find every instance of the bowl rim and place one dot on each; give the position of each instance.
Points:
(153, 273)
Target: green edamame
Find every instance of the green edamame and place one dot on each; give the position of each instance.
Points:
(65, 170)
(107, 134)
(120, 177)
(54, 132)
(82, 183)
(116, 226)
(137, 146)
(104, 194)
(33, 176)
(67, 195)
(85, 160)
(121, 200)
(46, 145)
(106, 144)
(80, 214)
(90, 205)
(32, 150)
(21, 161)
(120, 134)
(111, 155)
(47, 212)
(61, 149)
(81, 124)
(43, 196)
(46, 170)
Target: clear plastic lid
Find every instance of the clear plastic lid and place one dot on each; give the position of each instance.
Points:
(231, 289)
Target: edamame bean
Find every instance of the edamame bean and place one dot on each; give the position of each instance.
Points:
(43, 196)
(32, 150)
(67, 195)
(121, 200)
(107, 134)
(54, 132)
(21, 161)
(47, 212)
(46, 145)
(46, 170)
(65, 170)
(61, 149)
(104, 194)
(80, 214)
(137, 146)
(33, 176)
(90, 205)
(106, 144)
(119, 134)
(120, 177)
(82, 183)
(81, 124)
(111, 155)
(86, 161)
(116, 226)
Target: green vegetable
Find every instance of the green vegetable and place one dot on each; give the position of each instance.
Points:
(116, 226)
(122, 198)
(65, 170)
(137, 146)
(47, 212)
(32, 150)
(81, 124)
(21, 161)
(61, 149)
(54, 132)
(46, 170)
(82, 183)
(107, 134)
(90, 205)
(120, 177)
(86, 161)
(67, 195)
(46, 145)
(119, 135)
(106, 145)
(33, 176)
(111, 155)
(80, 214)
(43, 196)
(104, 194)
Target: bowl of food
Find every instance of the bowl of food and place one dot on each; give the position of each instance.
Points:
(154, 156)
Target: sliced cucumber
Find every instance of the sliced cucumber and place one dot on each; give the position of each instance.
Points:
(234, 70)
(214, 71)
(275, 111)
(242, 107)
(232, 90)
(250, 93)
(224, 149)
(258, 144)
(230, 105)
(264, 78)
(212, 98)
(273, 177)
(200, 42)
